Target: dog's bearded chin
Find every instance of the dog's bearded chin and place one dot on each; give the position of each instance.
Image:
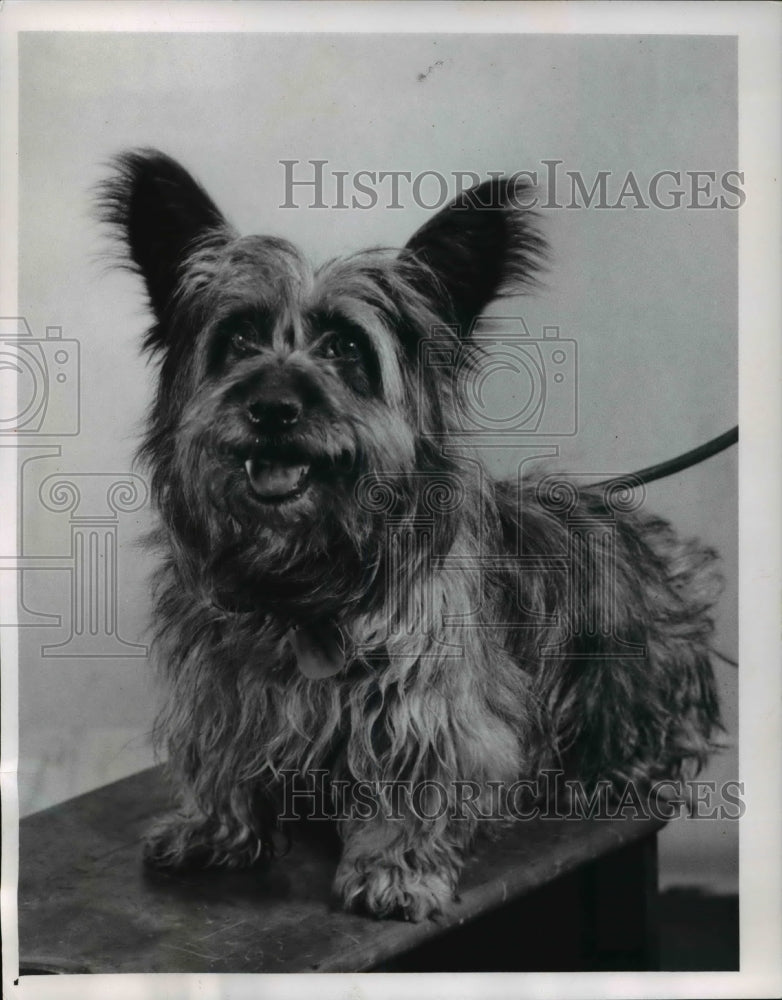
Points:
(275, 482)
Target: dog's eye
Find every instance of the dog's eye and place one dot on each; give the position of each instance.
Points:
(240, 342)
(343, 347)
(241, 333)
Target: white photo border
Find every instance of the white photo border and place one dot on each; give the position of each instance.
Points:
(758, 27)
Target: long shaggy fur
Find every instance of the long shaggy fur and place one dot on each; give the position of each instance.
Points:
(540, 624)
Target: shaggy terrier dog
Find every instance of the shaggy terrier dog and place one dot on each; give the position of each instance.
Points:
(344, 587)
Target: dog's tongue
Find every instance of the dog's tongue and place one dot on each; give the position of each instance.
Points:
(319, 652)
(274, 480)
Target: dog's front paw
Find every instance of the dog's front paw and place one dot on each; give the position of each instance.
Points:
(387, 890)
(181, 842)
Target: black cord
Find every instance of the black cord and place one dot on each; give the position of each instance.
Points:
(685, 461)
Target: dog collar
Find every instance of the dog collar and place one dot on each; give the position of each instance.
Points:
(319, 652)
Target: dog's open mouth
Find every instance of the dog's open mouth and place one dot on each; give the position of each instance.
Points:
(275, 481)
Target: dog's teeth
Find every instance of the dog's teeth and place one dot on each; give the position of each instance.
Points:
(274, 480)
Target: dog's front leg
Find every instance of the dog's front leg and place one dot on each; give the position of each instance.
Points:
(407, 868)
(231, 834)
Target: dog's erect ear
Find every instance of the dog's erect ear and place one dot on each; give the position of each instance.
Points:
(482, 245)
(161, 214)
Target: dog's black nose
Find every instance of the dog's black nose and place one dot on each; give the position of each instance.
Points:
(275, 414)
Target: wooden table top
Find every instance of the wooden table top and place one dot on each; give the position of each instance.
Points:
(86, 903)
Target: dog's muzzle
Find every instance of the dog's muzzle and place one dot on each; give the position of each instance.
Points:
(274, 411)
